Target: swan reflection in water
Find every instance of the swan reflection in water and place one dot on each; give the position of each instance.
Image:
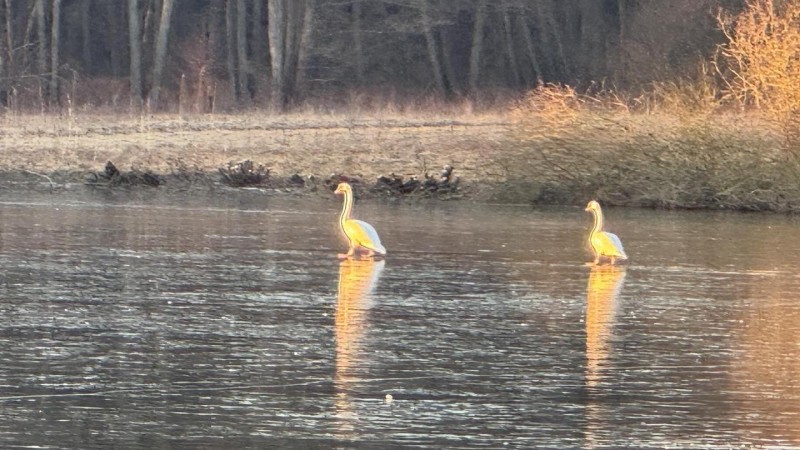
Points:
(602, 292)
(357, 280)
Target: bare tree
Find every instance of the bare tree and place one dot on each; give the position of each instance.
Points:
(4, 52)
(55, 37)
(135, 42)
(526, 35)
(291, 41)
(9, 33)
(358, 46)
(161, 50)
(509, 42)
(86, 33)
(305, 43)
(41, 35)
(276, 10)
(241, 48)
(230, 46)
(259, 48)
(477, 45)
(288, 23)
(433, 55)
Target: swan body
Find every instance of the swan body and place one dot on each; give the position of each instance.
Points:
(603, 243)
(361, 236)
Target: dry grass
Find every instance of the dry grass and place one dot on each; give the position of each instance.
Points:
(308, 143)
(697, 159)
(670, 148)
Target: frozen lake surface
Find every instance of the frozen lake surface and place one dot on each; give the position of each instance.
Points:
(225, 320)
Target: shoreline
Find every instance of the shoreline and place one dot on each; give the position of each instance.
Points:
(650, 161)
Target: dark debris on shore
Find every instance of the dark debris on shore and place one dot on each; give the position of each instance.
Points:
(446, 186)
(111, 176)
(245, 174)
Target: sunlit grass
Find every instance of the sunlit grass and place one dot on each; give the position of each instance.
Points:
(674, 148)
(674, 157)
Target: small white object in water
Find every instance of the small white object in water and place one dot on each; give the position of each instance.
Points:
(389, 398)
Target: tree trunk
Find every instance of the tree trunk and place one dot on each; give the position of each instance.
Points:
(118, 53)
(9, 37)
(509, 41)
(86, 34)
(358, 47)
(230, 45)
(433, 55)
(447, 63)
(538, 76)
(258, 48)
(41, 34)
(294, 18)
(55, 37)
(161, 51)
(305, 44)
(477, 46)
(548, 24)
(241, 48)
(276, 28)
(3, 49)
(135, 43)
(593, 29)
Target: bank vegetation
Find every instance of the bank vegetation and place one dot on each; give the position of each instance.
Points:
(684, 104)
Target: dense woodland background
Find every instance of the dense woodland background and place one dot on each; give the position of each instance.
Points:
(218, 55)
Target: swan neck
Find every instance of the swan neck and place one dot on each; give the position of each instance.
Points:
(598, 221)
(346, 208)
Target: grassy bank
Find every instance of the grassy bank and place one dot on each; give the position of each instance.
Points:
(656, 160)
(556, 155)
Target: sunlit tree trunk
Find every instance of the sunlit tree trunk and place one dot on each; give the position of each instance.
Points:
(477, 46)
(55, 43)
(135, 43)
(161, 50)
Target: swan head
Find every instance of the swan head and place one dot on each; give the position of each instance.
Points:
(343, 188)
(593, 206)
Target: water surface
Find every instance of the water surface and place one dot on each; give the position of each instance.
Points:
(186, 321)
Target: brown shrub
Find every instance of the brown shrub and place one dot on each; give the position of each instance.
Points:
(759, 63)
